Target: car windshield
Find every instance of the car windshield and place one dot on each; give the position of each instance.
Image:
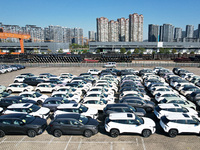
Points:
(83, 119)
(34, 108)
(83, 108)
(139, 120)
(28, 119)
(103, 101)
(132, 108)
(36, 94)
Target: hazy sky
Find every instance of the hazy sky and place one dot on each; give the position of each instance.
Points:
(83, 13)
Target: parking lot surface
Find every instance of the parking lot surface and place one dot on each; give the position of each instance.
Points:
(100, 141)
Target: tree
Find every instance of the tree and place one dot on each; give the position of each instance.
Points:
(98, 50)
(84, 51)
(164, 51)
(174, 51)
(49, 51)
(122, 50)
(36, 51)
(60, 50)
(192, 52)
(129, 53)
(142, 50)
(136, 51)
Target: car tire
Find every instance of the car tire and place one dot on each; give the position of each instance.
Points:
(114, 133)
(38, 91)
(9, 91)
(146, 133)
(172, 133)
(2, 133)
(57, 133)
(87, 133)
(25, 90)
(39, 102)
(31, 133)
(15, 81)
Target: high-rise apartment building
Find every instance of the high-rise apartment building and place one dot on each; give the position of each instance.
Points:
(37, 33)
(153, 34)
(168, 32)
(189, 31)
(123, 28)
(113, 35)
(91, 35)
(102, 29)
(127, 31)
(198, 31)
(178, 33)
(135, 28)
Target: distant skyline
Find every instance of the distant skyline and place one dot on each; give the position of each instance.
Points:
(83, 14)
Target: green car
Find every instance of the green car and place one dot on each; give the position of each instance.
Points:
(181, 102)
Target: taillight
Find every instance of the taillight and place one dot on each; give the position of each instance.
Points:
(51, 125)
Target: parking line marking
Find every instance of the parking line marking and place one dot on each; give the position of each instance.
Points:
(68, 143)
(143, 144)
(111, 145)
(3, 140)
(51, 140)
(137, 141)
(79, 146)
(20, 141)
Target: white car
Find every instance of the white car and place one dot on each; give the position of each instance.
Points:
(180, 123)
(38, 97)
(161, 96)
(66, 95)
(105, 85)
(19, 78)
(27, 108)
(102, 89)
(171, 109)
(100, 95)
(164, 90)
(67, 75)
(46, 87)
(98, 104)
(19, 87)
(70, 90)
(94, 71)
(134, 93)
(76, 108)
(118, 123)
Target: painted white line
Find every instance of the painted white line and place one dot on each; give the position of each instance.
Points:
(51, 140)
(111, 145)
(20, 141)
(68, 143)
(3, 140)
(79, 146)
(143, 144)
(137, 141)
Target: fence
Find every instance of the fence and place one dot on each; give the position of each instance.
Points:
(128, 65)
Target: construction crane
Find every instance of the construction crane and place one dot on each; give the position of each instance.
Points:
(21, 37)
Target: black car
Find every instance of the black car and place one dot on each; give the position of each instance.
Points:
(7, 101)
(53, 102)
(21, 124)
(118, 108)
(194, 96)
(73, 124)
(33, 81)
(139, 103)
(47, 74)
(27, 74)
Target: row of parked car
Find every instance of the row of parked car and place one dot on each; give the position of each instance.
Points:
(75, 106)
(9, 68)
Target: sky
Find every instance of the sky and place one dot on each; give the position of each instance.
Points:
(83, 13)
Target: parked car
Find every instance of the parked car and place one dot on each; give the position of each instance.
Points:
(19, 87)
(94, 71)
(27, 108)
(73, 124)
(110, 65)
(33, 81)
(46, 87)
(19, 78)
(180, 123)
(118, 123)
(21, 124)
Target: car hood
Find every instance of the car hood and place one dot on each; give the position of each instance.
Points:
(43, 110)
(92, 122)
(92, 111)
(149, 122)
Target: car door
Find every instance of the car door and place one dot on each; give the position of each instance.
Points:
(6, 125)
(18, 127)
(192, 126)
(75, 127)
(134, 127)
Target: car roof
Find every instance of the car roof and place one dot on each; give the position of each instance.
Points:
(169, 105)
(12, 116)
(20, 105)
(121, 116)
(70, 105)
(69, 115)
(54, 98)
(116, 105)
(178, 116)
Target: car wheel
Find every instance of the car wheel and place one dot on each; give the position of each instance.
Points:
(88, 133)
(31, 133)
(2, 134)
(172, 133)
(25, 90)
(193, 108)
(38, 91)
(114, 133)
(146, 133)
(57, 133)
(53, 91)
(9, 91)
(39, 102)
(15, 81)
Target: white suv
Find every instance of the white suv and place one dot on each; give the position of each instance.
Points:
(180, 123)
(118, 123)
